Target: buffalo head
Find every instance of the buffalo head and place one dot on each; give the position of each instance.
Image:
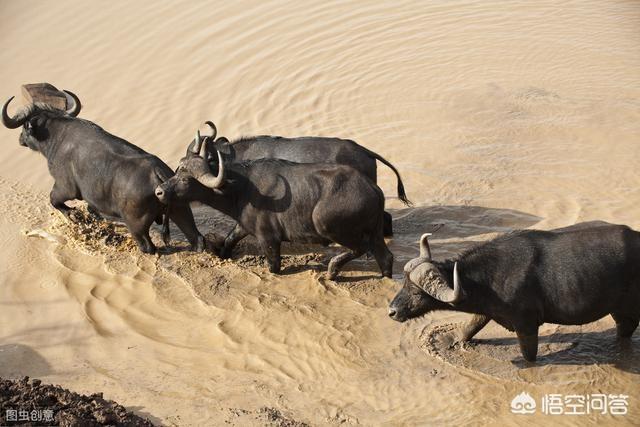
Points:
(426, 287)
(192, 176)
(34, 120)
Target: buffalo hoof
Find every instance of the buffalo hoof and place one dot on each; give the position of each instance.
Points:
(274, 270)
(528, 346)
(147, 248)
(225, 253)
(198, 245)
(151, 251)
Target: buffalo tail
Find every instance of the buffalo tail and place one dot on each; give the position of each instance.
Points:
(401, 193)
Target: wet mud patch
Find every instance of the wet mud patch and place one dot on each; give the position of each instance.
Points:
(213, 280)
(93, 232)
(265, 416)
(578, 351)
(295, 257)
(53, 405)
(290, 263)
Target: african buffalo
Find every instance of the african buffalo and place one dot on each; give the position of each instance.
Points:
(307, 149)
(276, 200)
(117, 179)
(568, 276)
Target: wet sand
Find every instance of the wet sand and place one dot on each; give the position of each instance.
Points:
(499, 115)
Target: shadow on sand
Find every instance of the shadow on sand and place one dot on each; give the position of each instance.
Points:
(18, 360)
(573, 348)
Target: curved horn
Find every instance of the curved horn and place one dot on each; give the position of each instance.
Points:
(428, 278)
(425, 250)
(196, 145)
(456, 294)
(214, 129)
(213, 182)
(11, 122)
(77, 106)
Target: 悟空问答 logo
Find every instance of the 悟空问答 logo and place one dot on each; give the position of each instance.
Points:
(523, 404)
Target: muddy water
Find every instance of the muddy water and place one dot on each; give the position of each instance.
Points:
(499, 115)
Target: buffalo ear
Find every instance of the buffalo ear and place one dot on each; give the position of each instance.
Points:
(162, 174)
(211, 146)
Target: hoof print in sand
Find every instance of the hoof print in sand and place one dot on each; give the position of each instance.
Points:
(495, 352)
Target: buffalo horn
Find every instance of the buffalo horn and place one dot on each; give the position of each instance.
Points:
(425, 250)
(11, 122)
(211, 181)
(456, 294)
(436, 286)
(196, 145)
(77, 106)
(214, 129)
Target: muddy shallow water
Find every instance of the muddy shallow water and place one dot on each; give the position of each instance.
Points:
(499, 115)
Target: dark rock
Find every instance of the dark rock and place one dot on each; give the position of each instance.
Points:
(64, 407)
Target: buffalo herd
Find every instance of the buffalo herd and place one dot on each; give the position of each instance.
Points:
(324, 190)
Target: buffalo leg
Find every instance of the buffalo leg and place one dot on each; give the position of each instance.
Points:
(383, 257)
(272, 252)
(469, 330)
(387, 224)
(58, 196)
(338, 261)
(238, 233)
(183, 218)
(625, 325)
(528, 340)
(139, 228)
(144, 242)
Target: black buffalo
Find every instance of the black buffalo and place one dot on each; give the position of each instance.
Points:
(569, 276)
(308, 149)
(276, 200)
(116, 178)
